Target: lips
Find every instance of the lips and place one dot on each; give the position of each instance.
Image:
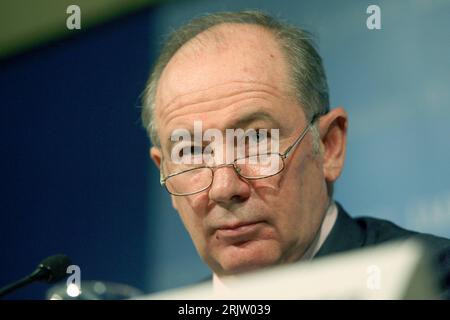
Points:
(238, 232)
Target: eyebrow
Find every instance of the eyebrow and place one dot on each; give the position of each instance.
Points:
(243, 122)
(247, 119)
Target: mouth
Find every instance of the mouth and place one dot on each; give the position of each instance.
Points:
(238, 232)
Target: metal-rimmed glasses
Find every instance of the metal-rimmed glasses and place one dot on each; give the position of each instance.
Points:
(254, 167)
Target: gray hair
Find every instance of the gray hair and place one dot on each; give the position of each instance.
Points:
(307, 72)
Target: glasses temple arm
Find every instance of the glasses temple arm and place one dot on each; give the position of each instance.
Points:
(300, 138)
(162, 179)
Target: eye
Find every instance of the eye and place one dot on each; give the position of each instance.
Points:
(260, 135)
(189, 151)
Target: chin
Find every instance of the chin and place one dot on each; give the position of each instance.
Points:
(248, 256)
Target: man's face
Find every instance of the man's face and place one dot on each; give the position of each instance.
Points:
(235, 76)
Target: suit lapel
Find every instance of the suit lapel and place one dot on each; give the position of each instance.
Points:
(345, 235)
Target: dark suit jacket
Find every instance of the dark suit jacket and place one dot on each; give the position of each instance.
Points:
(354, 233)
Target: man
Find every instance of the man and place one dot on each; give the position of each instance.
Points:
(247, 70)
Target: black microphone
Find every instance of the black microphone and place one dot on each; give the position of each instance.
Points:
(50, 270)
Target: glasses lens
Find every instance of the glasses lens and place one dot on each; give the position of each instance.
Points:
(192, 181)
(260, 166)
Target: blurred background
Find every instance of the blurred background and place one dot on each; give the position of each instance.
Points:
(74, 166)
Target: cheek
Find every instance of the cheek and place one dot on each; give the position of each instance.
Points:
(195, 205)
(198, 202)
(304, 180)
(191, 214)
(296, 198)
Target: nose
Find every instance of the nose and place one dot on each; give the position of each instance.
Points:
(228, 187)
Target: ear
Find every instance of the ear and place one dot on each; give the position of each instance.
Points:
(333, 134)
(156, 156)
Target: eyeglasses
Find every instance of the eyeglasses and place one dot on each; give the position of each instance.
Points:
(254, 167)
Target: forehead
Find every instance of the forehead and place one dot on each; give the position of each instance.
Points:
(223, 55)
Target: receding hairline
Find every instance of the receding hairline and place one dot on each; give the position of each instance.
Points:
(297, 45)
(219, 35)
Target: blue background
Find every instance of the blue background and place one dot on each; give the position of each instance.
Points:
(74, 165)
(76, 177)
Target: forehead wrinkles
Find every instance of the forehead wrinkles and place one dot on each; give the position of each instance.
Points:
(221, 95)
(222, 66)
